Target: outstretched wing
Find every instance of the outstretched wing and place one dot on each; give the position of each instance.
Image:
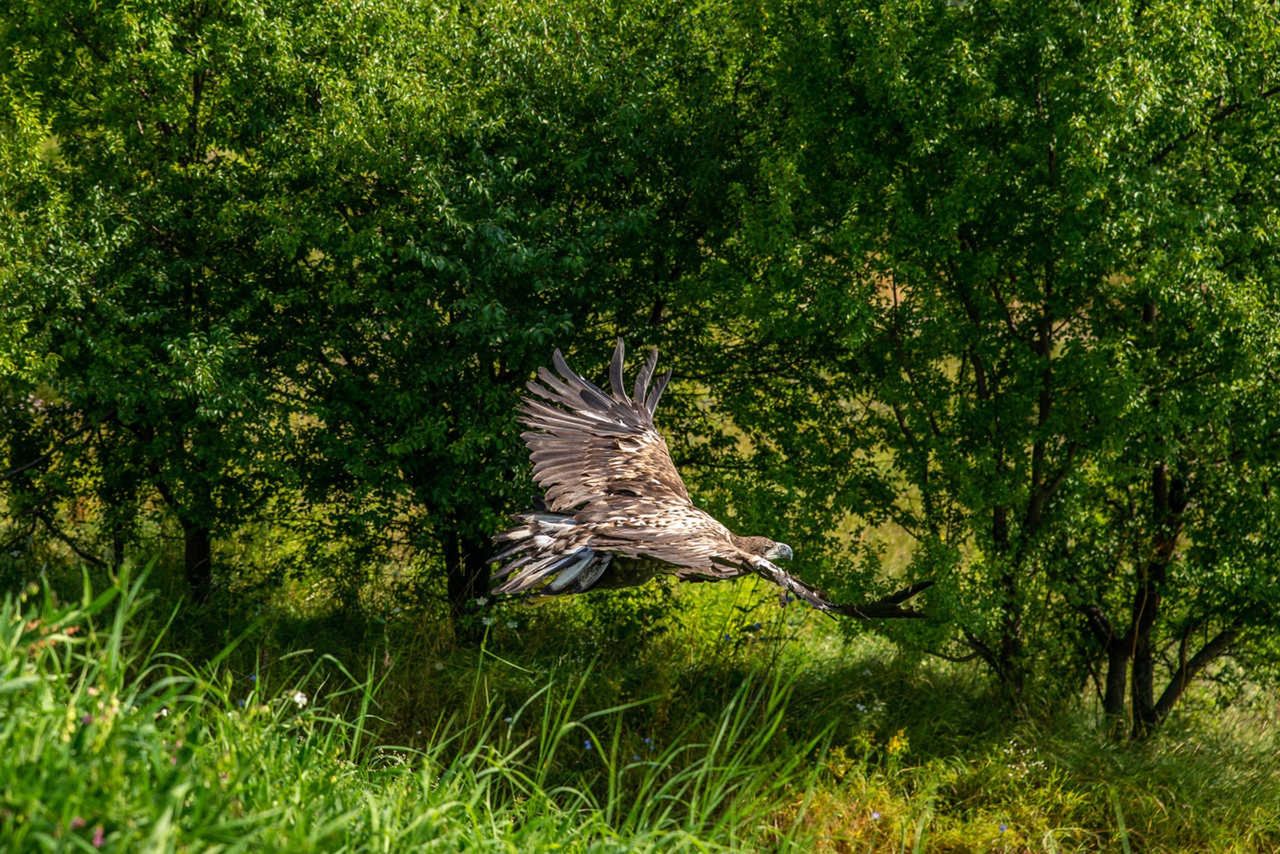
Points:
(612, 491)
(587, 444)
(886, 608)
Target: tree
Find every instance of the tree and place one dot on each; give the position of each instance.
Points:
(537, 183)
(1030, 275)
(142, 283)
(324, 247)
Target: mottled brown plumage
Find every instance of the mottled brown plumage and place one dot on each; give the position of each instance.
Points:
(614, 497)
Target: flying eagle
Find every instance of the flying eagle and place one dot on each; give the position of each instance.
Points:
(616, 511)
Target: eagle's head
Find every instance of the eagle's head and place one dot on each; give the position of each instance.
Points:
(764, 547)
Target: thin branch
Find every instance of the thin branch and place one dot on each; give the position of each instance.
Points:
(58, 533)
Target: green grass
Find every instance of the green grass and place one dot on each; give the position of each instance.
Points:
(743, 726)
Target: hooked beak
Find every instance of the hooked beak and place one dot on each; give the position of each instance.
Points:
(780, 551)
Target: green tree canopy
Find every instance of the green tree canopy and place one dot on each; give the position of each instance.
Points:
(1059, 225)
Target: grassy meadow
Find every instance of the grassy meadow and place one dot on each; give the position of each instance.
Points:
(129, 723)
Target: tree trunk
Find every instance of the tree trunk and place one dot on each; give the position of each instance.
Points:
(1146, 606)
(1117, 678)
(466, 561)
(1187, 669)
(1009, 652)
(197, 543)
(1169, 500)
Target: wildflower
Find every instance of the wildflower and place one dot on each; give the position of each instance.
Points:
(507, 720)
(99, 836)
(1003, 827)
(299, 699)
(92, 690)
(755, 627)
(489, 621)
(77, 823)
(512, 624)
(253, 677)
(481, 601)
(726, 638)
(240, 702)
(586, 744)
(86, 719)
(163, 713)
(875, 815)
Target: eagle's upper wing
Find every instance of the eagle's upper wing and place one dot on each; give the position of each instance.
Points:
(587, 444)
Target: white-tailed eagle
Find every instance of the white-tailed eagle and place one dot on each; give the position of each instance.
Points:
(616, 511)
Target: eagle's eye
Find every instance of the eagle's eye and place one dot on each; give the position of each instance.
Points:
(779, 551)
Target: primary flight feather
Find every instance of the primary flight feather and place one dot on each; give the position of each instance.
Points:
(616, 509)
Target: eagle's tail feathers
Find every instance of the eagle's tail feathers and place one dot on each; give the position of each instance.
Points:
(543, 545)
(572, 568)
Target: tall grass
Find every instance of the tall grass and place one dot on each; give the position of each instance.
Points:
(713, 736)
(107, 740)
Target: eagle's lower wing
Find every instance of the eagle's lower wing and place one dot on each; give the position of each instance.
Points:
(587, 445)
(890, 607)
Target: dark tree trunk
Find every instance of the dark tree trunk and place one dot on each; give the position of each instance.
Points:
(1169, 500)
(121, 515)
(1146, 606)
(466, 561)
(1117, 678)
(117, 545)
(1009, 652)
(197, 555)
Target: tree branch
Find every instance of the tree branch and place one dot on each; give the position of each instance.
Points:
(1187, 670)
(59, 534)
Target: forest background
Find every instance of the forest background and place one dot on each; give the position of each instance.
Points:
(978, 293)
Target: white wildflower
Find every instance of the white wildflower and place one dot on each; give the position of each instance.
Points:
(299, 699)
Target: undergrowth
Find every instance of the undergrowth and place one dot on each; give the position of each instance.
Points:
(744, 726)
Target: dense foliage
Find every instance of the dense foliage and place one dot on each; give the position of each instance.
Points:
(976, 292)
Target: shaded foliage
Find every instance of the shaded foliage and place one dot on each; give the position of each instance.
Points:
(975, 292)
